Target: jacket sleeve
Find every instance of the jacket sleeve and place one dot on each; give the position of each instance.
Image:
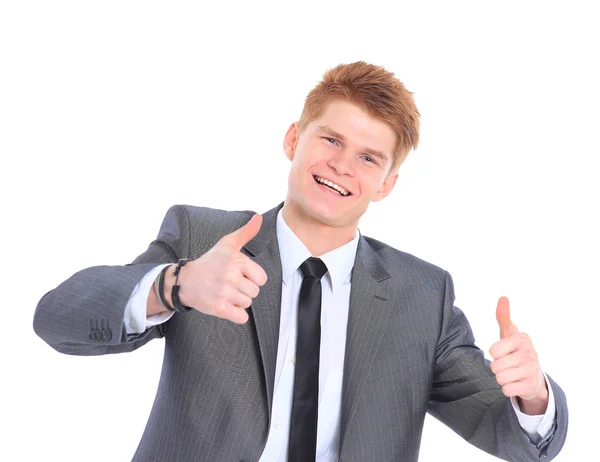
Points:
(84, 314)
(466, 397)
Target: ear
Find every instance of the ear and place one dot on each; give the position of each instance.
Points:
(386, 187)
(290, 140)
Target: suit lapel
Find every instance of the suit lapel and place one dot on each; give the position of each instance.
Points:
(371, 301)
(266, 307)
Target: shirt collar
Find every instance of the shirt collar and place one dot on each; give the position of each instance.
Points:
(293, 252)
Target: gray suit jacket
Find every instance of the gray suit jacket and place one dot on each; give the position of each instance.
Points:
(409, 351)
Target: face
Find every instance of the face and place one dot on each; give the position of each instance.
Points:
(340, 164)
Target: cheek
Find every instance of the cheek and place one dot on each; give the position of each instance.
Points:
(370, 189)
(297, 176)
(312, 153)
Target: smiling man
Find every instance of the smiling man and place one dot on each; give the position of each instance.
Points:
(290, 336)
(341, 162)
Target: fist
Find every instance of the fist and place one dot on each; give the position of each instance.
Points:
(516, 364)
(224, 281)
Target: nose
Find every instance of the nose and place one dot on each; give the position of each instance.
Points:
(341, 163)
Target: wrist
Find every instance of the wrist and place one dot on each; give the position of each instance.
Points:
(169, 281)
(178, 305)
(157, 303)
(535, 406)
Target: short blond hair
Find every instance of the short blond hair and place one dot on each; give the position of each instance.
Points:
(378, 92)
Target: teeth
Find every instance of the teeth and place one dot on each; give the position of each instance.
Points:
(338, 188)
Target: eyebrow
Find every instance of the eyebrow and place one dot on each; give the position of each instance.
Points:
(372, 152)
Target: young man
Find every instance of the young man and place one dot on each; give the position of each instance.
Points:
(292, 337)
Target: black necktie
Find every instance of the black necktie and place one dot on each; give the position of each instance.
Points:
(303, 429)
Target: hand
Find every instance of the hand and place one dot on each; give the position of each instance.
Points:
(516, 364)
(223, 281)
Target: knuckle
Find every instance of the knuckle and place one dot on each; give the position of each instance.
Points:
(241, 318)
(223, 292)
(525, 337)
(262, 278)
(260, 274)
(245, 301)
(220, 310)
(501, 379)
(494, 367)
(235, 279)
(496, 352)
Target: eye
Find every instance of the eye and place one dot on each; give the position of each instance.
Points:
(369, 159)
(330, 140)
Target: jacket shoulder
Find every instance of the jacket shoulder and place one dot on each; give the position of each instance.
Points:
(207, 225)
(403, 263)
(216, 217)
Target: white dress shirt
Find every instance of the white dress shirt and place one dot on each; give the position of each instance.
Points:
(334, 319)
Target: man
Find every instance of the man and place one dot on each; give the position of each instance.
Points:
(292, 337)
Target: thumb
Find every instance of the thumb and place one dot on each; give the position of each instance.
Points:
(507, 327)
(240, 237)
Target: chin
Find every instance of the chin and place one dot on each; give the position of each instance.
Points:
(333, 218)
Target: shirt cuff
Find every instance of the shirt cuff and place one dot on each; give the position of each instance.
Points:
(537, 427)
(135, 319)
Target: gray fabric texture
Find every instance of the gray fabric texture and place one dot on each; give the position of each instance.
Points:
(409, 351)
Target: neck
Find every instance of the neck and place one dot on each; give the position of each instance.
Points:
(318, 237)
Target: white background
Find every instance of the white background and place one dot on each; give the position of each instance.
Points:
(112, 111)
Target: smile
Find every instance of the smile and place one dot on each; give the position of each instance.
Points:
(332, 186)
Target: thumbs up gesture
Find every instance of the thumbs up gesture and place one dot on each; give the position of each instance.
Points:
(516, 364)
(223, 281)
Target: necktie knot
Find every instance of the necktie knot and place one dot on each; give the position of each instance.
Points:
(313, 267)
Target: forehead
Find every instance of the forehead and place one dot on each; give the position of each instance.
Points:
(356, 126)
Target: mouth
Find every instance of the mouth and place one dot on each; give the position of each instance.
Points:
(331, 186)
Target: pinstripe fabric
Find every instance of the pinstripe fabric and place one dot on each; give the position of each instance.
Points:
(409, 351)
